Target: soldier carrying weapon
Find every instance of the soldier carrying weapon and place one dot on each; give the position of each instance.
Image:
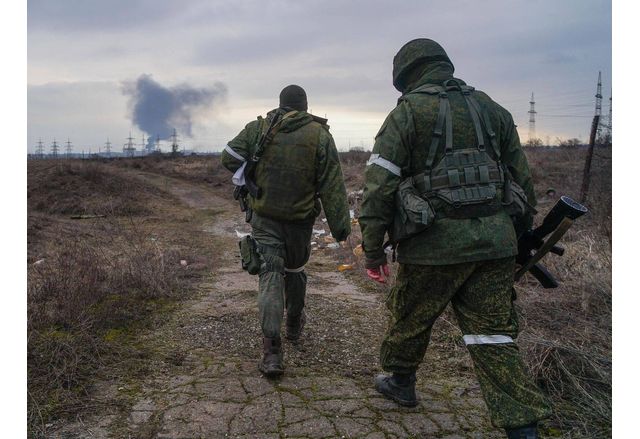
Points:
(285, 166)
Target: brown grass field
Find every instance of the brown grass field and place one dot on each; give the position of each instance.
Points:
(116, 248)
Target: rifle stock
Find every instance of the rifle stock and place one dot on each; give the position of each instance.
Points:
(558, 220)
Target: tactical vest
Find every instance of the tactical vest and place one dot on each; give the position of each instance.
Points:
(286, 173)
(467, 182)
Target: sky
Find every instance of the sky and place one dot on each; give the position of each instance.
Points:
(216, 65)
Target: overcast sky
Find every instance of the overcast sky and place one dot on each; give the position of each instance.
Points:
(83, 56)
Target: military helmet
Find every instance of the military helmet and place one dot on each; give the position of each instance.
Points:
(412, 54)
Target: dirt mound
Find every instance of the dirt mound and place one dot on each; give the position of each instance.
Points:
(89, 188)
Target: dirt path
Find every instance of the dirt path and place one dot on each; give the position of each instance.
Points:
(207, 385)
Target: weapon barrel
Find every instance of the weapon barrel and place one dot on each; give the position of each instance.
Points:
(564, 208)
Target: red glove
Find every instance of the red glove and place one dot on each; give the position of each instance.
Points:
(379, 274)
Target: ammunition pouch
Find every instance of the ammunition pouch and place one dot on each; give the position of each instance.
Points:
(515, 201)
(413, 213)
(251, 260)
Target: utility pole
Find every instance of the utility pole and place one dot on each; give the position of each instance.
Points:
(532, 119)
(68, 148)
(157, 143)
(599, 104)
(586, 174)
(174, 143)
(129, 148)
(609, 123)
(143, 145)
(54, 149)
(40, 149)
(108, 147)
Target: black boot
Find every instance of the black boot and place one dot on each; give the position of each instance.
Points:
(295, 325)
(399, 387)
(526, 432)
(271, 364)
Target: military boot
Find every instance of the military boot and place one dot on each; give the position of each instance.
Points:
(526, 432)
(295, 325)
(271, 364)
(399, 387)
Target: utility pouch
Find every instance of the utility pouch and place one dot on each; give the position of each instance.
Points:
(251, 260)
(413, 213)
(515, 201)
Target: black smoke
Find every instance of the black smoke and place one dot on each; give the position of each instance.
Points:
(157, 109)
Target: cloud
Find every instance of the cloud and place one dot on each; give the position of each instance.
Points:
(340, 52)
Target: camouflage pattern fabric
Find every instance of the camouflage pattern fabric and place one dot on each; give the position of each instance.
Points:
(412, 58)
(285, 249)
(299, 167)
(403, 140)
(481, 296)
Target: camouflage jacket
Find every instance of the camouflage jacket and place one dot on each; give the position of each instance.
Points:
(302, 150)
(403, 141)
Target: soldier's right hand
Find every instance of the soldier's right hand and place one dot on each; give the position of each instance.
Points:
(379, 274)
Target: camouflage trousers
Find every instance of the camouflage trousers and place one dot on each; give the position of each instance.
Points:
(481, 294)
(285, 249)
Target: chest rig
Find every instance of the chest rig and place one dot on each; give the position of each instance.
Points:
(467, 182)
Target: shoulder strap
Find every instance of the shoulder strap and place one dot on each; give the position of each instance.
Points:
(475, 117)
(444, 120)
(487, 124)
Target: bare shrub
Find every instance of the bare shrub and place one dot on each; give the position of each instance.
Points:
(79, 299)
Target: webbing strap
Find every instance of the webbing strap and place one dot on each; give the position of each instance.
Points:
(475, 117)
(270, 134)
(487, 125)
(448, 145)
(437, 130)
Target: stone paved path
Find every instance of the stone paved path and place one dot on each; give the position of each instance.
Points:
(208, 385)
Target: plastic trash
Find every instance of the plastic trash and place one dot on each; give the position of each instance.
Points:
(242, 234)
(358, 251)
(333, 245)
(345, 267)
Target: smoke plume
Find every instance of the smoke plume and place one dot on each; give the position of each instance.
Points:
(157, 109)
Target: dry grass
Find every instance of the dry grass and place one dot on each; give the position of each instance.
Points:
(92, 284)
(83, 299)
(102, 279)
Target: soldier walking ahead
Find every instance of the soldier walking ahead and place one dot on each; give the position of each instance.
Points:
(289, 163)
(446, 179)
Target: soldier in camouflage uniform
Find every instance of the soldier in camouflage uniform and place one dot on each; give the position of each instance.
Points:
(299, 174)
(466, 256)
